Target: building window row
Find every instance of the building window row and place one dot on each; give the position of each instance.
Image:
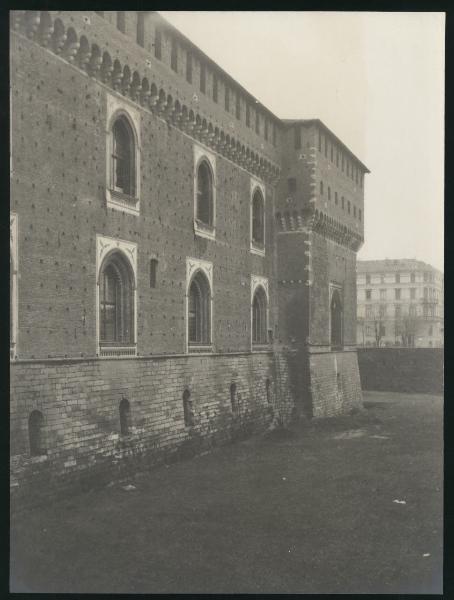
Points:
(397, 294)
(401, 277)
(332, 152)
(374, 312)
(351, 208)
(117, 299)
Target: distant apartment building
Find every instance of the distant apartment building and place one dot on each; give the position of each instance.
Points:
(400, 303)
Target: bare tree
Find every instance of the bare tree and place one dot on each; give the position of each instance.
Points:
(379, 330)
(406, 328)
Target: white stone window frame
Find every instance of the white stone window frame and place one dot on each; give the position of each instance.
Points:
(257, 184)
(203, 154)
(193, 265)
(13, 245)
(105, 246)
(256, 282)
(119, 107)
(340, 288)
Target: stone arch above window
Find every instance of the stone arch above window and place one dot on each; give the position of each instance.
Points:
(116, 302)
(199, 310)
(199, 277)
(123, 156)
(116, 297)
(336, 318)
(204, 193)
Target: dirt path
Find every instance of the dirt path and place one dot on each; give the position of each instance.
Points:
(345, 505)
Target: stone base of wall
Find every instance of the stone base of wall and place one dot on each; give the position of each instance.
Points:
(80, 400)
(335, 386)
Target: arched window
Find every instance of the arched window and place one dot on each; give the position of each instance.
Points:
(124, 416)
(36, 433)
(123, 157)
(336, 320)
(187, 409)
(258, 218)
(259, 307)
(199, 310)
(116, 301)
(204, 193)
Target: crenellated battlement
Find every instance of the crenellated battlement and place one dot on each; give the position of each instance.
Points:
(110, 67)
(314, 220)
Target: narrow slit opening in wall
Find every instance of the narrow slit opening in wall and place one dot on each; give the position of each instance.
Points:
(187, 409)
(268, 390)
(124, 416)
(36, 434)
(153, 272)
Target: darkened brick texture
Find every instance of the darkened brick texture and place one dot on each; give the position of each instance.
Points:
(65, 66)
(402, 369)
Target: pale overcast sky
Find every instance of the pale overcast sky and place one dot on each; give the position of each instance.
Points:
(375, 79)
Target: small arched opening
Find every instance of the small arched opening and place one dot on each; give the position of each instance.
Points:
(36, 434)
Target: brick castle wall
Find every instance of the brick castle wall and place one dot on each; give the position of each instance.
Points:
(58, 192)
(331, 262)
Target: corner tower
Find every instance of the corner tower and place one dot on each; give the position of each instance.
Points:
(319, 229)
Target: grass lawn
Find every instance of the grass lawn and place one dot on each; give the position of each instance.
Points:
(307, 510)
